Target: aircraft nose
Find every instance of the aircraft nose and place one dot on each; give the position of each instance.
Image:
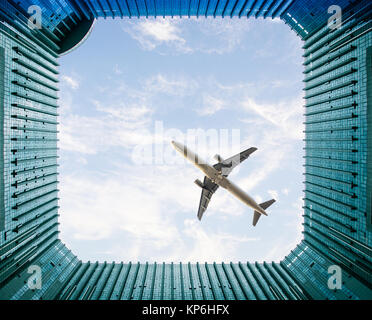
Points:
(177, 145)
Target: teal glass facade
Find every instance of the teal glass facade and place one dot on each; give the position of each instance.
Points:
(337, 163)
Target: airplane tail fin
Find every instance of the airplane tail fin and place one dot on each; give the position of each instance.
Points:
(263, 205)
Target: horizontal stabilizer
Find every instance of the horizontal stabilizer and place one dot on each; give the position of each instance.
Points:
(263, 205)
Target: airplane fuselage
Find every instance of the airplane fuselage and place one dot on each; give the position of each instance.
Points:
(218, 178)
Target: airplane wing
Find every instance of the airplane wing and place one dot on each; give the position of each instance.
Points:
(209, 188)
(226, 166)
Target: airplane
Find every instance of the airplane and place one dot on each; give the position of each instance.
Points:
(216, 176)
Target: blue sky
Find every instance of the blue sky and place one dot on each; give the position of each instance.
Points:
(136, 84)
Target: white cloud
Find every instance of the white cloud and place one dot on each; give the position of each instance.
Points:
(96, 207)
(210, 106)
(176, 86)
(284, 115)
(274, 194)
(258, 198)
(228, 33)
(267, 167)
(275, 20)
(161, 30)
(88, 135)
(71, 82)
(100, 207)
(151, 33)
(119, 124)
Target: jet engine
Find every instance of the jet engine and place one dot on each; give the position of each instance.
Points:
(199, 183)
(218, 158)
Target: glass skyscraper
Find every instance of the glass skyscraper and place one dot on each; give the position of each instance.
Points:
(337, 214)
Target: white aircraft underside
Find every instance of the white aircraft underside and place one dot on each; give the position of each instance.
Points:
(216, 176)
